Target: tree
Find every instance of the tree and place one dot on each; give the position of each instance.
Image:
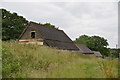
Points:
(84, 39)
(49, 25)
(114, 52)
(95, 43)
(12, 25)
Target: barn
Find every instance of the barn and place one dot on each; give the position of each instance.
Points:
(42, 35)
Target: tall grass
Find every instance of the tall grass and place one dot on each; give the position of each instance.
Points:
(109, 68)
(34, 61)
(0, 59)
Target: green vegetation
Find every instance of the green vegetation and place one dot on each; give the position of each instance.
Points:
(34, 61)
(49, 25)
(0, 59)
(114, 52)
(12, 25)
(95, 43)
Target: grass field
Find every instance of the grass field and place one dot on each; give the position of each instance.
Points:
(0, 59)
(33, 61)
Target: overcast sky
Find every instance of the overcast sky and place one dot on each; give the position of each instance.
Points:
(75, 18)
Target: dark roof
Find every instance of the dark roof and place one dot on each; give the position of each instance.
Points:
(53, 37)
(51, 33)
(61, 45)
(97, 54)
(84, 49)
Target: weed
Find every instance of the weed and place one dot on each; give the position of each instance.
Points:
(107, 68)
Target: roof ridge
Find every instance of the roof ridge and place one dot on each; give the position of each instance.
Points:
(31, 22)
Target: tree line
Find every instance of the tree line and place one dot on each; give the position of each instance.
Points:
(13, 25)
(97, 43)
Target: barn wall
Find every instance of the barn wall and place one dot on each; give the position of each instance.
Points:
(27, 34)
(26, 37)
(31, 42)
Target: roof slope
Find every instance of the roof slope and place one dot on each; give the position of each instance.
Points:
(84, 49)
(54, 37)
(97, 54)
(51, 33)
(61, 45)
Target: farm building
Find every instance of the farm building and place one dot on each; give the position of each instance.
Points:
(97, 54)
(37, 34)
(84, 49)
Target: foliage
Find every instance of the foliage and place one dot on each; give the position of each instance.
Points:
(34, 61)
(12, 25)
(49, 25)
(114, 52)
(95, 43)
(0, 59)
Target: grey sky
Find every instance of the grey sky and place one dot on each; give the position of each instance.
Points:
(75, 18)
